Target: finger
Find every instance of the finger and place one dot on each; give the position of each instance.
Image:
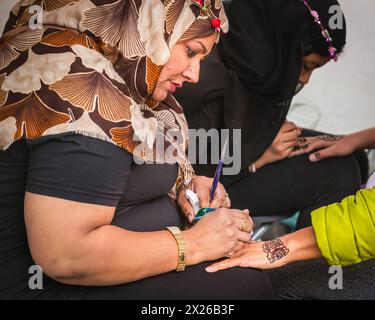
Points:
(241, 215)
(297, 152)
(322, 154)
(220, 199)
(203, 196)
(302, 141)
(289, 126)
(223, 202)
(290, 136)
(244, 225)
(290, 145)
(187, 209)
(189, 212)
(228, 202)
(217, 203)
(317, 144)
(244, 236)
(225, 264)
(286, 153)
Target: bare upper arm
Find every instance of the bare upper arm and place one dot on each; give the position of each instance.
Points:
(55, 226)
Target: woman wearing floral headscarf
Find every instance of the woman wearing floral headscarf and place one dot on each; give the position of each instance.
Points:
(85, 97)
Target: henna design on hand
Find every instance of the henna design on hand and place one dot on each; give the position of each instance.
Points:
(301, 141)
(275, 250)
(330, 138)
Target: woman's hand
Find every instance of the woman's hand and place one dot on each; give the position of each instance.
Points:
(218, 234)
(282, 146)
(327, 146)
(260, 255)
(201, 186)
(299, 245)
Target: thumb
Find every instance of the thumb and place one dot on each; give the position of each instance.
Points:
(322, 154)
(187, 210)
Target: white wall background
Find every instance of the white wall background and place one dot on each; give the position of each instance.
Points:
(341, 96)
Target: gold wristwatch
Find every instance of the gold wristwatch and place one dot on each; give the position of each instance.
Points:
(176, 232)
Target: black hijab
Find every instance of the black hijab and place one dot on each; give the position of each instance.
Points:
(314, 41)
(254, 71)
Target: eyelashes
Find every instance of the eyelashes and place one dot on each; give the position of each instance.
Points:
(190, 52)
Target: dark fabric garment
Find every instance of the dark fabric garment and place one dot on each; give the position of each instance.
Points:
(360, 156)
(193, 284)
(314, 41)
(84, 169)
(253, 73)
(310, 280)
(263, 45)
(260, 59)
(296, 184)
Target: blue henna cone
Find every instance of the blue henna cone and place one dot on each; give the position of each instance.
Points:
(202, 212)
(219, 168)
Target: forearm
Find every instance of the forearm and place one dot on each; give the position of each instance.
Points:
(364, 139)
(110, 255)
(302, 245)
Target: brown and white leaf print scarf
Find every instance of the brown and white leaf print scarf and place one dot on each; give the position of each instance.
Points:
(91, 69)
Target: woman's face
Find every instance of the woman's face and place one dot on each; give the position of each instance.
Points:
(311, 62)
(183, 65)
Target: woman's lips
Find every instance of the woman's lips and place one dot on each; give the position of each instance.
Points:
(174, 87)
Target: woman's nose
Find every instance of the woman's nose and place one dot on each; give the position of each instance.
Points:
(192, 72)
(304, 77)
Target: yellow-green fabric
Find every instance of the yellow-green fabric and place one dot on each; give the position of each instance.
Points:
(345, 231)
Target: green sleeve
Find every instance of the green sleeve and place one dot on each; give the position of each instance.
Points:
(345, 231)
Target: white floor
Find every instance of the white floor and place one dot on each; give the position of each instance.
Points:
(341, 96)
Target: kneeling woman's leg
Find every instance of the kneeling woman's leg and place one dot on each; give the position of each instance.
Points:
(192, 284)
(315, 279)
(296, 184)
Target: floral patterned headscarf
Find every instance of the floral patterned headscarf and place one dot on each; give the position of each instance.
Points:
(91, 68)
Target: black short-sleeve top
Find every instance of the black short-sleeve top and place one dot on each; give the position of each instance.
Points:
(78, 168)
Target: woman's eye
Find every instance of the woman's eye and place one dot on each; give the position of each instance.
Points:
(191, 53)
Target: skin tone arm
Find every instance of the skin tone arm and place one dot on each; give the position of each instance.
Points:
(319, 148)
(75, 243)
(326, 146)
(81, 247)
(282, 147)
(300, 245)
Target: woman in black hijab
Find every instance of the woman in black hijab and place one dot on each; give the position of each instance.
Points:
(248, 83)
